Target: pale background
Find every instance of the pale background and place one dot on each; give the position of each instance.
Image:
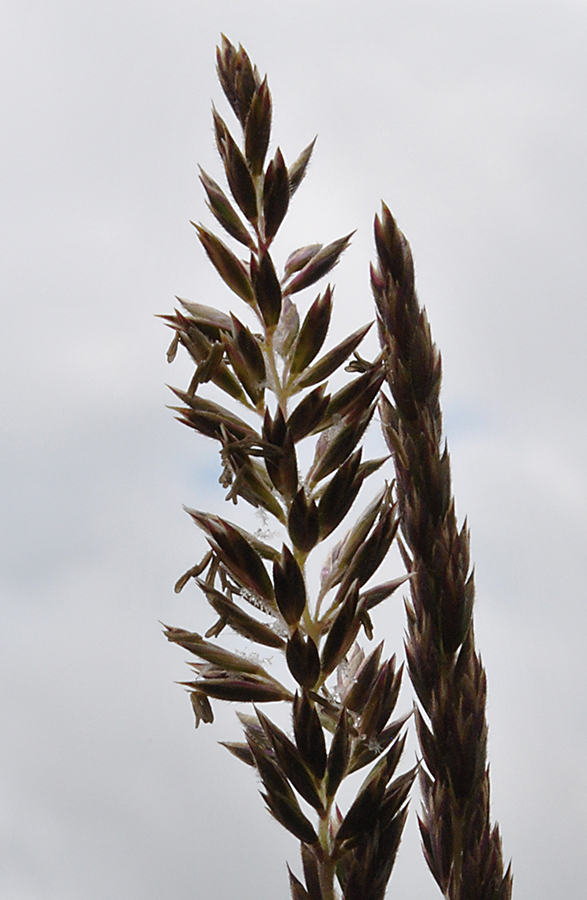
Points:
(469, 119)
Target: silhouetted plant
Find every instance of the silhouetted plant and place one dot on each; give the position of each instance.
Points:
(276, 369)
(461, 848)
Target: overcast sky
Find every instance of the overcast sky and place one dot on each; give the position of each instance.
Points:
(469, 118)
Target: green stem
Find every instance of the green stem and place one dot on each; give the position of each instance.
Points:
(280, 392)
(327, 864)
(456, 894)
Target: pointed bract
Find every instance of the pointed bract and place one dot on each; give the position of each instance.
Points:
(289, 587)
(313, 332)
(267, 289)
(319, 265)
(258, 128)
(237, 77)
(222, 209)
(275, 195)
(298, 169)
(230, 269)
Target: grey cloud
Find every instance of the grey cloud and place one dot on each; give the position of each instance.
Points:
(468, 119)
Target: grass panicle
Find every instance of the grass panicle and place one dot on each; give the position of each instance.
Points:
(271, 361)
(462, 848)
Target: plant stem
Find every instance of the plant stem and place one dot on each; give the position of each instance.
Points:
(327, 864)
